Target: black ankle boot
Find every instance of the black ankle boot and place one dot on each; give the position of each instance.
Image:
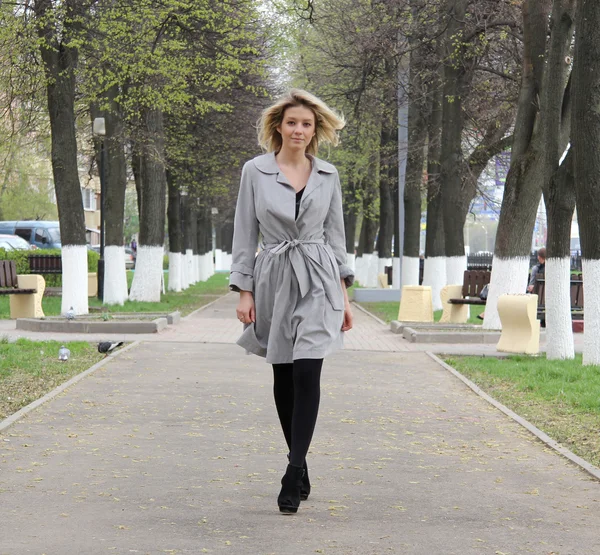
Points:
(305, 489)
(291, 483)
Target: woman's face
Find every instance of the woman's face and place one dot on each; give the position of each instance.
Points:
(297, 128)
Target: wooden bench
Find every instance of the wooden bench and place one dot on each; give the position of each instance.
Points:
(45, 263)
(9, 283)
(473, 283)
(25, 291)
(455, 298)
(576, 296)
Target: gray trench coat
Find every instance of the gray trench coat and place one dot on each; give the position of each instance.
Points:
(295, 278)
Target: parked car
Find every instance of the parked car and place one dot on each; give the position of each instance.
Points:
(42, 234)
(129, 256)
(14, 242)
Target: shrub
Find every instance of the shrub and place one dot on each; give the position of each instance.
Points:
(20, 257)
(52, 280)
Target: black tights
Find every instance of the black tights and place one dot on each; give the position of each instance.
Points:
(297, 390)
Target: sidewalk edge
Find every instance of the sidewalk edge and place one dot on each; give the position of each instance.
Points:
(363, 309)
(10, 420)
(545, 438)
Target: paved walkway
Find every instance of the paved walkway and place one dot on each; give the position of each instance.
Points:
(174, 447)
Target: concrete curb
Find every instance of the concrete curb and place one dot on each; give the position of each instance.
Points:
(9, 421)
(113, 326)
(362, 309)
(545, 438)
(414, 335)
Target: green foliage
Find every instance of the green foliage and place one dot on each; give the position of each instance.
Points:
(20, 257)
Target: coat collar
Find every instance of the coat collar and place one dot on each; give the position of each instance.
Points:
(266, 163)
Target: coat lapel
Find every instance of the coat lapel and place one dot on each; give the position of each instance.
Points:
(317, 177)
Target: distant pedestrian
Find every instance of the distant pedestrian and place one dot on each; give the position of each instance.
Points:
(293, 299)
(539, 268)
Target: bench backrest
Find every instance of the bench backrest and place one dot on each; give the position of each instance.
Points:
(45, 263)
(474, 281)
(576, 290)
(8, 273)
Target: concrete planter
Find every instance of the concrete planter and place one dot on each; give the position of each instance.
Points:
(123, 323)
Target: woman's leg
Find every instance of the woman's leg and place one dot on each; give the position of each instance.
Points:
(307, 394)
(283, 391)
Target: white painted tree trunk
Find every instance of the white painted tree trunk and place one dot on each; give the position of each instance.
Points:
(218, 259)
(359, 265)
(396, 273)
(202, 272)
(75, 279)
(226, 261)
(115, 275)
(197, 262)
(147, 279)
(205, 269)
(410, 270)
(434, 275)
(351, 261)
(372, 271)
(210, 264)
(185, 278)
(455, 269)
(559, 328)
(189, 266)
(383, 262)
(509, 277)
(591, 301)
(175, 271)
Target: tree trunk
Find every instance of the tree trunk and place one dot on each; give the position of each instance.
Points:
(350, 221)
(451, 161)
(60, 61)
(227, 238)
(367, 269)
(434, 272)
(115, 273)
(560, 204)
(147, 281)
(389, 159)
(190, 240)
(175, 234)
(417, 136)
(536, 145)
(204, 230)
(586, 144)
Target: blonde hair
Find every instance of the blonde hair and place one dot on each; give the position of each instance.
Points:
(327, 122)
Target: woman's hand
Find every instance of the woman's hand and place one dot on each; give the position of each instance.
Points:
(348, 318)
(246, 311)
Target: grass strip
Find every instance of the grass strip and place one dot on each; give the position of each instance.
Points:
(388, 311)
(30, 369)
(186, 301)
(561, 398)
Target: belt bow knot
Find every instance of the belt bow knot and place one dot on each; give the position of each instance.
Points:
(300, 259)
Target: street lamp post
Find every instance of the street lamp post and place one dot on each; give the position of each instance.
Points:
(99, 130)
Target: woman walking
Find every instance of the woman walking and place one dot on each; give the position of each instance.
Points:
(293, 299)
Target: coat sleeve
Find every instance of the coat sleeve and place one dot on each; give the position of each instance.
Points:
(245, 237)
(335, 235)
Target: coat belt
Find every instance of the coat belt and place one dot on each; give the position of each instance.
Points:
(301, 259)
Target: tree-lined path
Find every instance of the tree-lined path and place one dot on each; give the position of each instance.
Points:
(174, 447)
